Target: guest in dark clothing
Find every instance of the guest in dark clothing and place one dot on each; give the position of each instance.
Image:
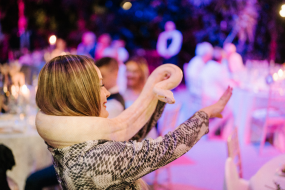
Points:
(6, 163)
(109, 68)
(42, 178)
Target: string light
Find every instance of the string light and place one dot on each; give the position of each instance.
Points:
(52, 40)
(127, 5)
(280, 73)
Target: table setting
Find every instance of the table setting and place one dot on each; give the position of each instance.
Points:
(270, 176)
(258, 80)
(18, 132)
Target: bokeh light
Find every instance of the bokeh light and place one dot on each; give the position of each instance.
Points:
(280, 72)
(52, 40)
(127, 5)
(282, 11)
(275, 76)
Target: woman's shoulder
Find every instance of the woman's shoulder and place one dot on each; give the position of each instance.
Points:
(64, 131)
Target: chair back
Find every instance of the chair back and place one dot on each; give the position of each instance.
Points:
(276, 99)
(234, 150)
(232, 180)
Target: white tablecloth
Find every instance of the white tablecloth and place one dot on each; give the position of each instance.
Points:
(30, 153)
(268, 174)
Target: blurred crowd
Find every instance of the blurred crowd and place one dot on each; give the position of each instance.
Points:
(208, 75)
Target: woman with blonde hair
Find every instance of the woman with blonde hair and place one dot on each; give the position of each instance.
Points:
(137, 73)
(91, 151)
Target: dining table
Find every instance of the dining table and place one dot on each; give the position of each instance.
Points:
(19, 134)
(270, 175)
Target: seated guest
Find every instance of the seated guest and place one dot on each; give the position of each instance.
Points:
(88, 45)
(109, 69)
(137, 73)
(91, 151)
(204, 52)
(215, 78)
(234, 60)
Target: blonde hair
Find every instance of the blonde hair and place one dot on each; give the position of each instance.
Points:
(69, 86)
(142, 63)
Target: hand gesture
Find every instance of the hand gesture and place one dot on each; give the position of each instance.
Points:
(216, 109)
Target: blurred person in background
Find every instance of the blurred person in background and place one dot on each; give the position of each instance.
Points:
(104, 42)
(60, 48)
(24, 34)
(88, 45)
(137, 73)
(26, 58)
(42, 178)
(27, 66)
(109, 68)
(118, 51)
(215, 79)
(169, 43)
(233, 59)
(38, 59)
(204, 53)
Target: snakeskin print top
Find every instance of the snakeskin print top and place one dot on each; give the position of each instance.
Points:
(106, 164)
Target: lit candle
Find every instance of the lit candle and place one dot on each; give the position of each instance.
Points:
(14, 91)
(25, 91)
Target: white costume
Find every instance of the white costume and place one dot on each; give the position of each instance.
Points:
(172, 49)
(193, 71)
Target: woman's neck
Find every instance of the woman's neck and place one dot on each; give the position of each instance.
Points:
(136, 88)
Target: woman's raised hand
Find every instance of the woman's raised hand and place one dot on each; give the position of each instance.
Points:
(216, 109)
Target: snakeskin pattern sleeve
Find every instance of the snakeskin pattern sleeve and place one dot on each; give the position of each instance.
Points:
(151, 122)
(103, 164)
